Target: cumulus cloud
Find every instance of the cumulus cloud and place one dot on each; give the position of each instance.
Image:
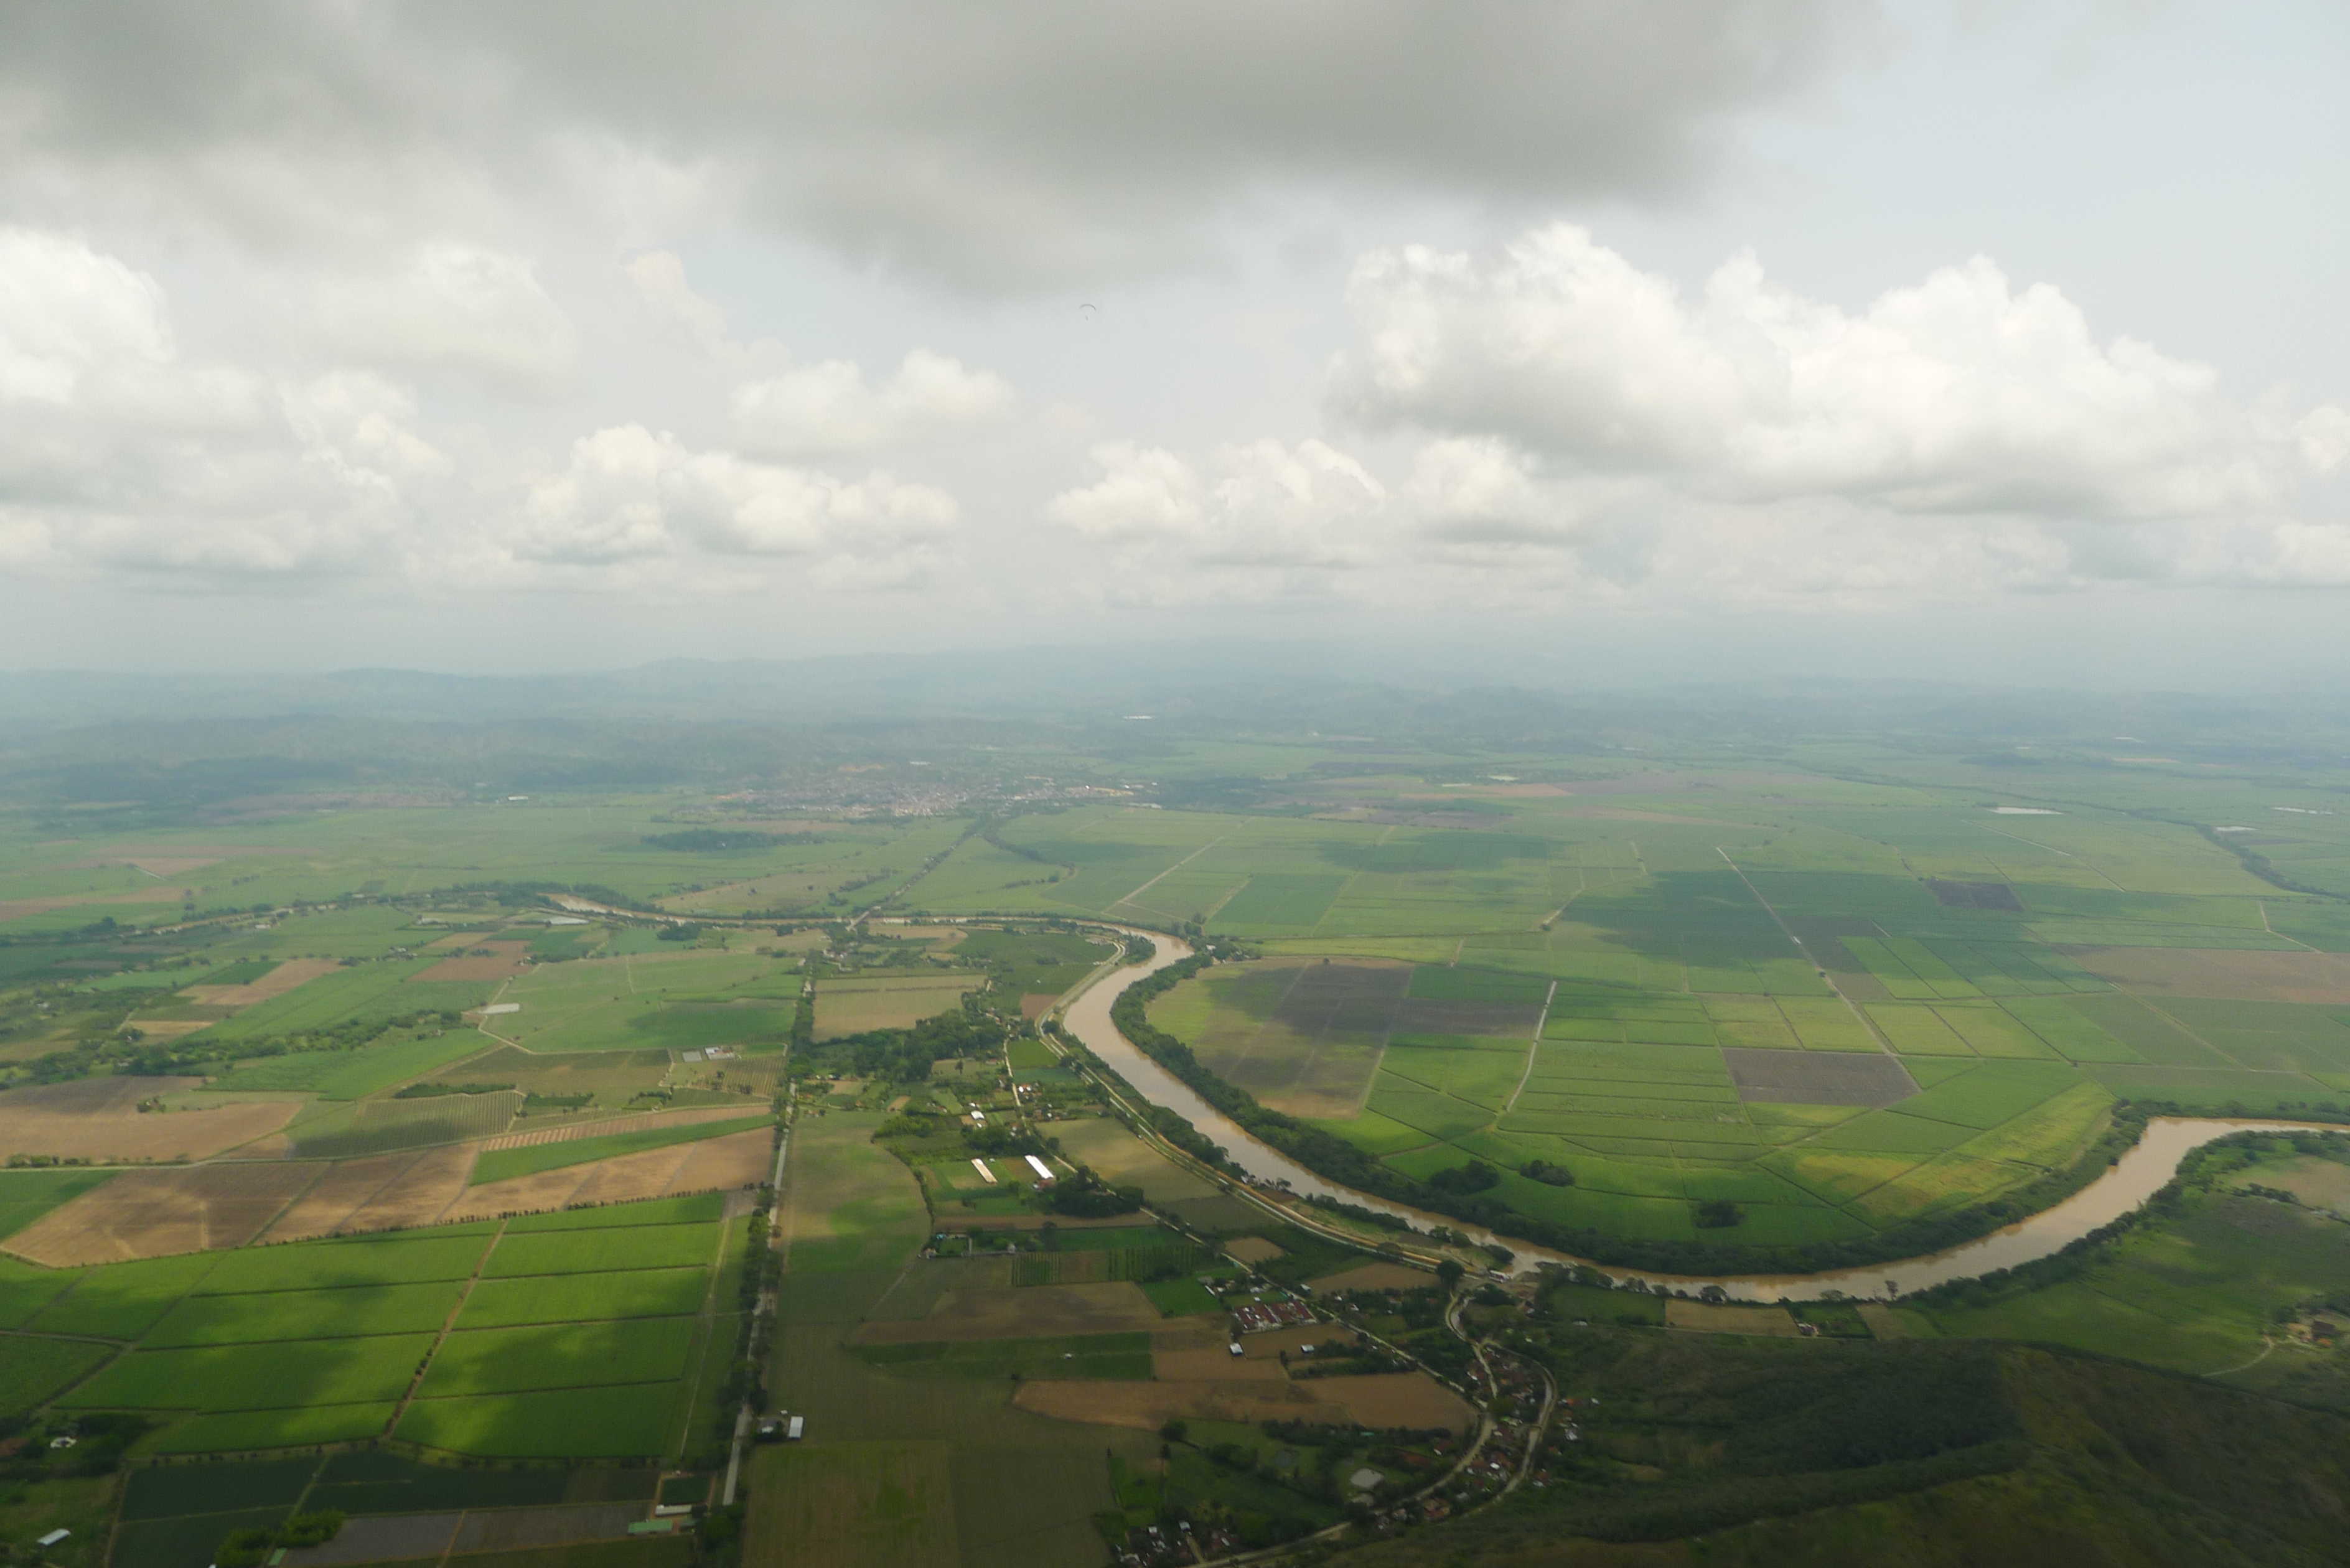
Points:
(1005, 146)
(830, 408)
(452, 306)
(1266, 520)
(116, 452)
(1960, 394)
(629, 494)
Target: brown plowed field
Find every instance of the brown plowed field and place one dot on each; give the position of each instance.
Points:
(276, 982)
(98, 1118)
(425, 1190)
(738, 1159)
(1252, 1249)
(338, 1194)
(148, 1213)
(566, 1130)
(1376, 1277)
(1397, 1399)
(2222, 972)
(503, 960)
(1034, 1313)
(1215, 1364)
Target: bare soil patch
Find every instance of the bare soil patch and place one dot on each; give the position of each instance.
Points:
(568, 1130)
(1036, 1003)
(738, 1159)
(276, 982)
(2224, 973)
(1376, 1277)
(420, 1194)
(339, 1194)
(1252, 1250)
(1397, 1399)
(1725, 1317)
(1213, 1364)
(1817, 1077)
(149, 1213)
(500, 960)
(520, 1194)
(97, 1119)
(171, 1028)
(1035, 1312)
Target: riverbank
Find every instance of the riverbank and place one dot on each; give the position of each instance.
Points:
(2133, 1180)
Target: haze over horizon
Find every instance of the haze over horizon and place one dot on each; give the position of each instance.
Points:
(1576, 345)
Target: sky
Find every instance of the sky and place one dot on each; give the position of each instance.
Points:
(1583, 342)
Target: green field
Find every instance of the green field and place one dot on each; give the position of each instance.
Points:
(568, 1298)
(32, 1371)
(566, 1355)
(693, 1207)
(1078, 1355)
(258, 1376)
(502, 1164)
(618, 1422)
(603, 1251)
(354, 1075)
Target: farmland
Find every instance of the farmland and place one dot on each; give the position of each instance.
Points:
(390, 1145)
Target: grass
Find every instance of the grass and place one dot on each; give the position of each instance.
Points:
(582, 1298)
(598, 1251)
(694, 1207)
(623, 1421)
(355, 1074)
(853, 1505)
(34, 1370)
(304, 1315)
(502, 1164)
(187, 1541)
(258, 1376)
(237, 1431)
(123, 1301)
(1104, 1355)
(1180, 1298)
(319, 1265)
(564, 1356)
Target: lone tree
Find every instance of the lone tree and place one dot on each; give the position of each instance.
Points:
(1450, 1272)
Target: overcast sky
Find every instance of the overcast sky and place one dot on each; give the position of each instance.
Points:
(1594, 337)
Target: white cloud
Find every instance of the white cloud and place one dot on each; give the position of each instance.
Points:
(829, 407)
(629, 494)
(659, 278)
(1268, 520)
(1960, 394)
(456, 307)
(114, 451)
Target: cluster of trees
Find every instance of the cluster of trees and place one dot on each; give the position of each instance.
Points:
(1085, 1196)
(903, 1056)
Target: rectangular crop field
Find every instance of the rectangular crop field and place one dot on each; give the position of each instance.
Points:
(33, 1370)
(503, 1164)
(595, 1251)
(258, 1376)
(853, 1505)
(304, 1315)
(584, 1298)
(564, 1356)
(683, 1211)
(234, 1430)
(624, 1421)
(355, 1074)
(319, 1265)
